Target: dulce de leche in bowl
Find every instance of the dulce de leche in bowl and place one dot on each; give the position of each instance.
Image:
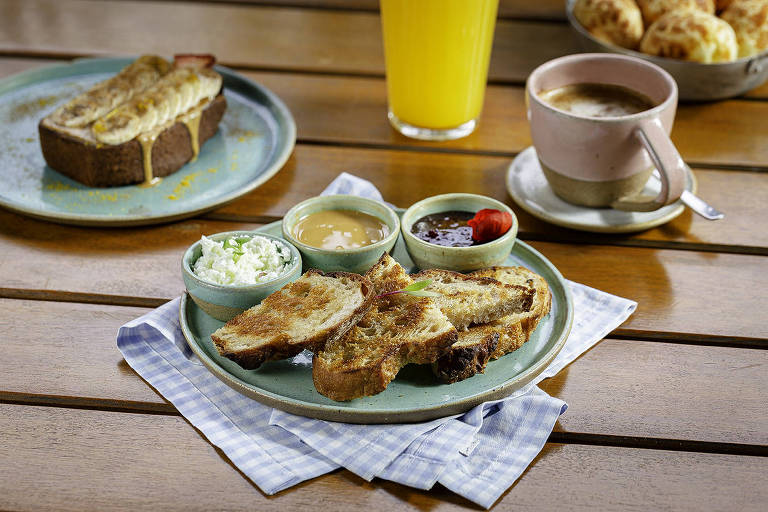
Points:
(340, 229)
(341, 232)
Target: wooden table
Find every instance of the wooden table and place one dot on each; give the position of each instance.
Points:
(668, 413)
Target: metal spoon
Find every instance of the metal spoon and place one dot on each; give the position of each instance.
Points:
(697, 204)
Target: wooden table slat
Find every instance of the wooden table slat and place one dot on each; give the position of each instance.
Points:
(689, 389)
(144, 262)
(350, 110)
(741, 194)
(543, 9)
(685, 373)
(161, 463)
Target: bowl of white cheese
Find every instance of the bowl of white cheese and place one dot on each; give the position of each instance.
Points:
(227, 273)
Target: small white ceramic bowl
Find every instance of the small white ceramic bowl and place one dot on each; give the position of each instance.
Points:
(223, 302)
(357, 260)
(461, 259)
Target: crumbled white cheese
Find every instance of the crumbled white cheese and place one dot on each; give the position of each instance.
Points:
(241, 260)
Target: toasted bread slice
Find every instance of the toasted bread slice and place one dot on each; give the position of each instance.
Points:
(480, 343)
(398, 329)
(519, 326)
(305, 314)
(467, 356)
(140, 125)
(104, 165)
(468, 300)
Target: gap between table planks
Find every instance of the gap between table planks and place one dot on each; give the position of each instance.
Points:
(692, 400)
(741, 195)
(160, 463)
(675, 303)
(264, 35)
(508, 9)
(311, 168)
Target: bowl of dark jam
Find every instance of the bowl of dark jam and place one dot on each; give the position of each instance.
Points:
(438, 232)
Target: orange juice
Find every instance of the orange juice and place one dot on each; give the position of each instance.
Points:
(437, 54)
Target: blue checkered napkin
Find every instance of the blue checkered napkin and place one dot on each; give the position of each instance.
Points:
(478, 454)
(273, 458)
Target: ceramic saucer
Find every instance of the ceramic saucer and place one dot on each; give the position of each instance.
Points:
(529, 189)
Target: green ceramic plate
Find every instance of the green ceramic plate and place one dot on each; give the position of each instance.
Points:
(255, 138)
(415, 395)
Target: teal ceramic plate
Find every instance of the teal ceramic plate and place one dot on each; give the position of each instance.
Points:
(255, 138)
(415, 395)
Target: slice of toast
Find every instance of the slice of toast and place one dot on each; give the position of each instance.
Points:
(397, 330)
(140, 125)
(315, 309)
(519, 326)
(467, 356)
(491, 340)
(468, 300)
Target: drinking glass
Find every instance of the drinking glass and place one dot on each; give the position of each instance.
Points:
(437, 54)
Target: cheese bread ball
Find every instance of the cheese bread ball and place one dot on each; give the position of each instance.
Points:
(749, 19)
(616, 22)
(691, 35)
(722, 4)
(655, 9)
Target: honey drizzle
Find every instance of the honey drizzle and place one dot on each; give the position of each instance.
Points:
(146, 142)
(192, 122)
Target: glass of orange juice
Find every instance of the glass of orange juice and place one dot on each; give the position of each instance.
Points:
(437, 54)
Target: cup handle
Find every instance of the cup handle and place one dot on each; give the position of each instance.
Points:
(668, 162)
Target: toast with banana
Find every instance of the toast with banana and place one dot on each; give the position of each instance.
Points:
(142, 124)
(398, 329)
(481, 343)
(314, 310)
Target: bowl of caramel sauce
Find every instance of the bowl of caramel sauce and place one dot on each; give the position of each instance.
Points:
(341, 232)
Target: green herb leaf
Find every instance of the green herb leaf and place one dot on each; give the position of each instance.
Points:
(416, 289)
(418, 285)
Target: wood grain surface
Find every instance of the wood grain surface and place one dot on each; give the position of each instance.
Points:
(352, 111)
(690, 387)
(260, 36)
(673, 300)
(667, 413)
(544, 9)
(741, 194)
(134, 461)
(256, 36)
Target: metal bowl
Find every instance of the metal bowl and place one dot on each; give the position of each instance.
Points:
(695, 81)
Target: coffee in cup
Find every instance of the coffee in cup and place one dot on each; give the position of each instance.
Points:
(597, 100)
(600, 124)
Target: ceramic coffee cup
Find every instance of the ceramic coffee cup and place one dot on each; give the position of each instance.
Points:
(606, 161)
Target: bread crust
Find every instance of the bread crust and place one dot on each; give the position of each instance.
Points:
(463, 362)
(483, 300)
(481, 343)
(749, 19)
(282, 347)
(342, 384)
(691, 35)
(616, 22)
(397, 330)
(655, 9)
(104, 165)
